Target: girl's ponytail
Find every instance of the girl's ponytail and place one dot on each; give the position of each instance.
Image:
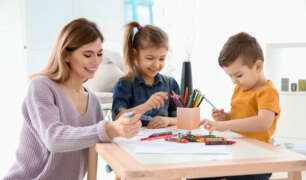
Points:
(128, 50)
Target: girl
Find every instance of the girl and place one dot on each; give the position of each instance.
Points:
(143, 90)
(62, 118)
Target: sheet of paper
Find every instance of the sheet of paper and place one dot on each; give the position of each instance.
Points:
(165, 147)
(144, 132)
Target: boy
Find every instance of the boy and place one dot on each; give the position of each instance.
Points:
(255, 103)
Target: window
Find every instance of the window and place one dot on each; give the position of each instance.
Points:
(138, 10)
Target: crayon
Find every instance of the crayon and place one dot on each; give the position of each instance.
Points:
(157, 137)
(160, 134)
(191, 138)
(200, 140)
(209, 136)
(216, 139)
(219, 142)
(177, 140)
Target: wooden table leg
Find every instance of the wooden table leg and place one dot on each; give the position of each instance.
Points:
(295, 175)
(92, 163)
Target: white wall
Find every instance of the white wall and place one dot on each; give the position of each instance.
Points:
(43, 22)
(12, 78)
(208, 24)
(45, 19)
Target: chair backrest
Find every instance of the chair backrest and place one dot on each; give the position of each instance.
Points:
(106, 77)
(108, 73)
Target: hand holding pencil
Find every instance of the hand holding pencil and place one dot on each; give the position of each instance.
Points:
(218, 114)
(127, 125)
(156, 101)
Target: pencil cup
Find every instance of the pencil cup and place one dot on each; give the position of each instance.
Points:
(188, 118)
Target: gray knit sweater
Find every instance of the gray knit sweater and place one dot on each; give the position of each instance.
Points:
(55, 137)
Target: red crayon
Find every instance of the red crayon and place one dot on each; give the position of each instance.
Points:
(220, 142)
(157, 137)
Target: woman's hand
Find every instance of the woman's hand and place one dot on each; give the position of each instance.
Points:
(159, 122)
(218, 114)
(157, 100)
(125, 126)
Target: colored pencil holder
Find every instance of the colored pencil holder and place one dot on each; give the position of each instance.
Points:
(188, 118)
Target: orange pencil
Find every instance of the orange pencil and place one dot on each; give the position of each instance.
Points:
(185, 98)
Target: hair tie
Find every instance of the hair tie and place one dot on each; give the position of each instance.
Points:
(139, 27)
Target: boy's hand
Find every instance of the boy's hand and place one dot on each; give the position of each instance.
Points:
(218, 114)
(213, 125)
(156, 101)
(158, 122)
(127, 127)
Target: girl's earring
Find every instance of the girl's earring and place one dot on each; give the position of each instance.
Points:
(136, 63)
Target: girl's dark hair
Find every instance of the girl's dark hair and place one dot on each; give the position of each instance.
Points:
(146, 37)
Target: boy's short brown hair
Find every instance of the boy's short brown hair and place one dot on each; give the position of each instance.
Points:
(241, 44)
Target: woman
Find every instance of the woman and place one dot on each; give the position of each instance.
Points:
(62, 118)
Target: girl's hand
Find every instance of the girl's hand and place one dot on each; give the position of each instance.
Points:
(156, 101)
(213, 125)
(127, 127)
(158, 122)
(218, 115)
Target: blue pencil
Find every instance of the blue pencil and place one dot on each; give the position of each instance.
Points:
(210, 103)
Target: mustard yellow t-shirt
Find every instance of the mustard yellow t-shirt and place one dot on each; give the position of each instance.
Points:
(246, 104)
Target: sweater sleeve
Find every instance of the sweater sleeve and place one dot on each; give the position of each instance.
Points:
(44, 115)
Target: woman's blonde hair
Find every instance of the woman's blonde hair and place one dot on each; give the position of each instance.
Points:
(146, 37)
(74, 35)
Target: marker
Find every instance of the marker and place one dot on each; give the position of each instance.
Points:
(157, 137)
(210, 103)
(129, 115)
(146, 118)
(220, 142)
(160, 134)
